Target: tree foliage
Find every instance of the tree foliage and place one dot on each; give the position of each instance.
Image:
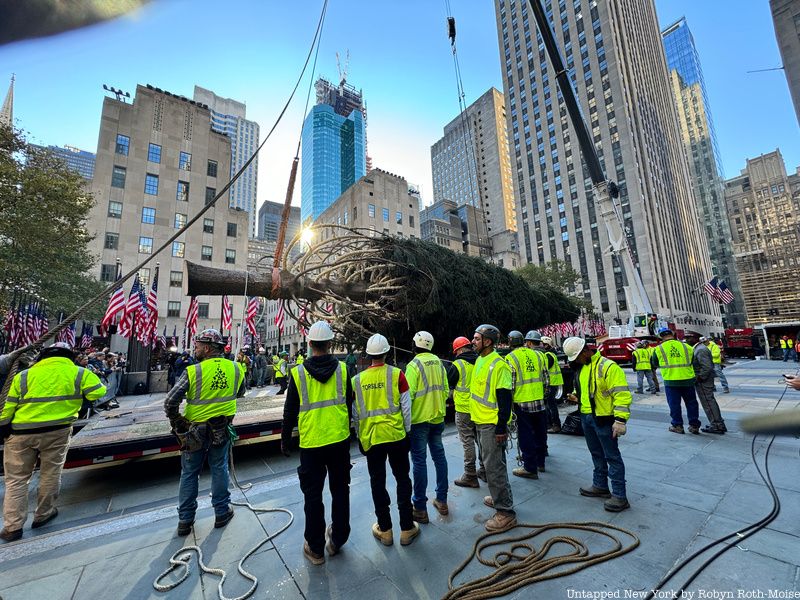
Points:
(43, 239)
(555, 275)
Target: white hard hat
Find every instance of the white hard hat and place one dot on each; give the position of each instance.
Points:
(62, 346)
(423, 339)
(320, 332)
(546, 339)
(261, 350)
(377, 345)
(573, 346)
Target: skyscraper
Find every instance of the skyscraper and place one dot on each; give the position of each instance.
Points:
(786, 18)
(269, 221)
(76, 159)
(615, 60)
(334, 144)
(7, 110)
(228, 117)
(700, 144)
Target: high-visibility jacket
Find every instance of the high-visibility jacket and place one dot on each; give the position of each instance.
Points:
(300, 360)
(675, 361)
(323, 416)
(280, 369)
(554, 369)
(716, 353)
(427, 384)
(377, 405)
(49, 394)
(491, 373)
(641, 359)
(461, 394)
(213, 387)
(527, 367)
(603, 385)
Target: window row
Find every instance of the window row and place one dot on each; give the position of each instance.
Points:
(119, 175)
(154, 155)
(149, 217)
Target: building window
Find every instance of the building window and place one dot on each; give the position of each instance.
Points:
(211, 171)
(345, 217)
(151, 184)
(185, 161)
(148, 215)
(173, 309)
(230, 256)
(115, 210)
(206, 252)
(386, 214)
(108, 272)
(211, 193)
(178, 249)
(202, 310)
(112, 241)
(176, 279)
(144, 277)
(182, 194)
(123, 144)
(398, 217)
(118, 177)
(371, 210)
(180, 220)
(145, 245)
(411, 220)
(231, 229)
(154, 153)
(208, 225)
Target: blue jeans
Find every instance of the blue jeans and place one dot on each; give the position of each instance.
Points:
(532, 439)
(640, 377)
(605, 452)
(674, 396)
(191, 465)
(428, 435)
(721, 376)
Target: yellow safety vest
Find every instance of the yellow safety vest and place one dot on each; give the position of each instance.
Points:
(428, 400)
(641, 358)
(603, 381)
(213, 386)
(716, 353)
(377, 392)
(527, 365)
(790, 343)
(281, 365)
(461, 394)
(675, 360)
(49, 394)
(323, 416)
(483, 388)
(300, 360)
(556, 376)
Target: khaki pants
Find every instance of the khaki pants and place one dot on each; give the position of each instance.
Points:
(19, 459)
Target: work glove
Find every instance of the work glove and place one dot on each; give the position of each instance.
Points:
(618, 429)
(180, 423)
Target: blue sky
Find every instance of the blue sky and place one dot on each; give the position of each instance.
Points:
(252, 50)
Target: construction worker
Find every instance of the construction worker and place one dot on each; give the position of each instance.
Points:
(382, 415)
(643, 368)
(36, 424)
(674, 358)
(605, 402)
(299, 359)
(210, 388)
(428, 388)
(490, 409)
(528, 371)
(703, 364)
(716, 357)
(459, 374)
(318, 402)
(556, 380)
(282, 372)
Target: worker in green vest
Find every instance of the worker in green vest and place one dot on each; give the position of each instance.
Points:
(674, 358)
(490, 409)
(555, 387)
(459, 374)
(643, 368)
(282, 372)
(36, 422)
(210, 388)
(318, 403)
(382, 415)
(716, 358)
(605, 402)
(428, 388)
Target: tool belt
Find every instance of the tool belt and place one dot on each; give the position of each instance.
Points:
(193, 436)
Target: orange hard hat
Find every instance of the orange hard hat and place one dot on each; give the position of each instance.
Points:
(460, 342)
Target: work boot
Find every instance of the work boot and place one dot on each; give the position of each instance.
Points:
(640, 391)
(10, 536)
(481, 474)
(184, 528)
(616, 504)
(500, 522)
(540, 469)
(523, 472)
(554, 429)
(420, 516)
(595, 492)
(316, 559)
(441, 507)
(409, 535)
(726, 391)
(713, 429)
(332, 548)
(222, 520)
(694, 430)
(466, 480)
(487, 500)
(44, 521)
(386, 537)
(676, 429)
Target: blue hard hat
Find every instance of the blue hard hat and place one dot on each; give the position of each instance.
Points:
(664, 331)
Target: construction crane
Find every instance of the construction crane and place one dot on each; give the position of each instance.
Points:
(343, 72)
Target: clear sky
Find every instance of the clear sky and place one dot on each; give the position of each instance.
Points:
(252, 50)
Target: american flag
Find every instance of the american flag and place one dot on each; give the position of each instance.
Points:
(280, 316)
(302, 320)
(725, 294)
(67, 335)
(136, 302)
(152, 313)
(173, 341)
(252, 310)
(711, 288)
(227, 314)
(191, 318)
(161, 341)
(86, 335)
(30, 324)
(116, 304)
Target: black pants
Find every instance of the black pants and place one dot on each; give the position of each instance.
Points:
(532, 431)
(397, 454)
(553, 418)
(284, 383)
(332, 460)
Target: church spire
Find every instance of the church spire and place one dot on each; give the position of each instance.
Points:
(7, 112)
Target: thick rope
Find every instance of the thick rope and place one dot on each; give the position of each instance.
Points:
(523, 564)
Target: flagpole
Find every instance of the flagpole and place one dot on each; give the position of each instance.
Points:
(152, 332)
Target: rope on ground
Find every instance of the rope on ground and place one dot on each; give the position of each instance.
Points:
(523, 564)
